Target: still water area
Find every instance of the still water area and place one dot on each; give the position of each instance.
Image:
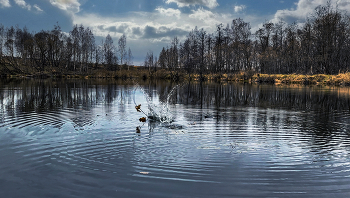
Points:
(83, 138)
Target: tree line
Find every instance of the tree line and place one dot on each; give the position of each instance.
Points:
(57, 51)
(320, 45)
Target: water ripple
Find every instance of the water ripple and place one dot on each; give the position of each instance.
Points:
(224, 151)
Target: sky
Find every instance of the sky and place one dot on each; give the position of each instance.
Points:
(151, 24)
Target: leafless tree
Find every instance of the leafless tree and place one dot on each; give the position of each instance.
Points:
(122, 49)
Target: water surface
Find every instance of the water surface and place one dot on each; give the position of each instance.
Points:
(78, 138)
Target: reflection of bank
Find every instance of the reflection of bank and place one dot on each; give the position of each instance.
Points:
(37, 102)
(267, 96)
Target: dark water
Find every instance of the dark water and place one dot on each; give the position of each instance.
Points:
(77, 138)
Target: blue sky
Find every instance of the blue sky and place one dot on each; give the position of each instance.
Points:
(151, 24)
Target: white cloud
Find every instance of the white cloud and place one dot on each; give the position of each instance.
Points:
(67, 5)
(154, 30)
(144, 30)
(37, 8)
(160, 26)
(187, 3)
(23, 4)
(306, 7)
(205, 16)
(239, 8)
(169, 12)
(5, 3)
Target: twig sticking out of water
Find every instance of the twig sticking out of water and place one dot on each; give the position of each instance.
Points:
(138, 108)
(143, 119)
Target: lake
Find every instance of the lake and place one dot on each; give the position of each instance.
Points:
(83, 138)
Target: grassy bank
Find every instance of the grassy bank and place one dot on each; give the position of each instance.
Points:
(142, 73)
(132, 72)
(342, 79)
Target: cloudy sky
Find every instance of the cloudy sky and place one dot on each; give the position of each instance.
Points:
(150, 24)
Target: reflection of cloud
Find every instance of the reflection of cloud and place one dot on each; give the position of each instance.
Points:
(67, 5)
(5, 3)
(187, 3)
(305, 8)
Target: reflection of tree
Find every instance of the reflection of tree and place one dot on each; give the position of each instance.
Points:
(266, 96)
(321, 108)
(59, 97)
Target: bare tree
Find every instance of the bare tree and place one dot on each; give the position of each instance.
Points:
(130, 58)
(149, 60)
(122, 49)
(10, 45)
(163, 58)
(219, 40)
(109, 52)
(202, 38)
(2, 39)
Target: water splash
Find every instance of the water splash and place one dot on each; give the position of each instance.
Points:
(158, 112)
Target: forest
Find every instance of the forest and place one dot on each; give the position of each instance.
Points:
(55, 51)
(321, 45)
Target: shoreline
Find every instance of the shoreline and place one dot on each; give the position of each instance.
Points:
(341, 79)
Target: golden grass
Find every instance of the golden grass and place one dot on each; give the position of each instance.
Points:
(342, 79)
(137, 72)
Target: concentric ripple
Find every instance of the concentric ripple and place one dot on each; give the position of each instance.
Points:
(259, 148)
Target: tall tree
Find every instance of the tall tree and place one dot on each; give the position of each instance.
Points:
(109, 53)
(10, 45)
(2, 39)
(122, 49)
(202, 38)
(149, 60)
(219, 45)
(130, 58)
(263, 36)
(41, 49)
(163, 58)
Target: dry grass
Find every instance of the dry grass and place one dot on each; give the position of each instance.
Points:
(342, 79)
(136, 72)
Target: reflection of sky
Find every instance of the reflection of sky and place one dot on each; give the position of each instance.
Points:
(237, 150)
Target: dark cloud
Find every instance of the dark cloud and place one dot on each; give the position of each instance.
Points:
(112, 29)
(136, 31)
(122, 28)
(115, 29)
(182, 3)
(150, 32)
(101, 27)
